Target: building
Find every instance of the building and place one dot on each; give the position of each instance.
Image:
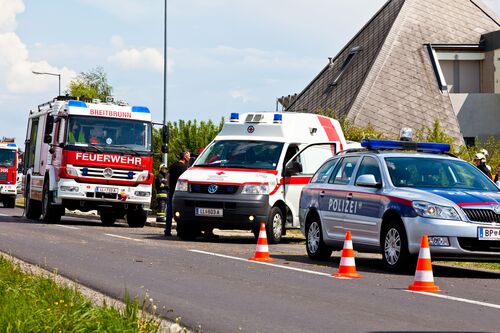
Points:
(415, 61)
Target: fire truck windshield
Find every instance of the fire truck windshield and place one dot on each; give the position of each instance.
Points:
(109, 133)
(7, 157)
(241, 154)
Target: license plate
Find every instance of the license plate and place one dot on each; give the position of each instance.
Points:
(488, 233)
(214, 212)
(106, 189)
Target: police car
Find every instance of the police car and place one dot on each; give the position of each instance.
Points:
(390, 193)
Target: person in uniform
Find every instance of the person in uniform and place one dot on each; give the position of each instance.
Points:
(161, 185)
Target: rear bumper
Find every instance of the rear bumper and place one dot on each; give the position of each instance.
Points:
(236, 210)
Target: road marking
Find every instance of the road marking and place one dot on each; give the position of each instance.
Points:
(67, 227)
(458, 299)
(261, 263)
(123, 237)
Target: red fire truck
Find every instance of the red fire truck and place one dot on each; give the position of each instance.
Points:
(89, 156)
(8, 172)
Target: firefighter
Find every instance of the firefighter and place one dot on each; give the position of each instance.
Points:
(161, 184)
(480, 163)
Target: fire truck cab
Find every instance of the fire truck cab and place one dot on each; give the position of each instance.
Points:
(253, 172)
(8, 172)
(88, 156)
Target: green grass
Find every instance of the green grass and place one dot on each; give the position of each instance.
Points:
(492, 266)
(31, 303)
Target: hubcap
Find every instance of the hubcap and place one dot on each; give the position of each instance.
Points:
(392, 246)
(277, 226)
(313, 236)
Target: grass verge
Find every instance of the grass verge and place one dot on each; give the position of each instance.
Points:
(492, 266)
(31, 303)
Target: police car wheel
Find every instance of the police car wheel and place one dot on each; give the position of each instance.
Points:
(274, 226)
(395, 248)
(316, 248)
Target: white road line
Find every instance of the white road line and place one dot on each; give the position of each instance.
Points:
(262, 263)
(458, 299)
(123, 237)
(67, 227)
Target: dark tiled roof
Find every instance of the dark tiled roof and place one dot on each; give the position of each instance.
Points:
(391, 83)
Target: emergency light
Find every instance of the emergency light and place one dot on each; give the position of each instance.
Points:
(11, 145)
(405, 145)
(278, 118)
(234, 117)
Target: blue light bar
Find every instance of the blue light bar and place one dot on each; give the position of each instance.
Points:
(405, 145)
(12, 145)
(234, 116)
(141, 109)
(79, 104)
(278, 118)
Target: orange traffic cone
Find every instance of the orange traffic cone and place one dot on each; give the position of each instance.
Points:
(262, 250)
(347, 268)
(424, 279)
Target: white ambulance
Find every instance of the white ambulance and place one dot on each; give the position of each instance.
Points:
(253, 172)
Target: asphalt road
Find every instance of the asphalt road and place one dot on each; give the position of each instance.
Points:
(212, 285)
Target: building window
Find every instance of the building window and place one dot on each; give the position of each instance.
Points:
(470, 141)
(350, 57)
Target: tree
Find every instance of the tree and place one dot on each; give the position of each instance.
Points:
(91, 84)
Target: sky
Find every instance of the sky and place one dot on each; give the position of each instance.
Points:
(223, 56)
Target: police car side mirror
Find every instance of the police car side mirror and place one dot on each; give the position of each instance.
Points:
(368, 181)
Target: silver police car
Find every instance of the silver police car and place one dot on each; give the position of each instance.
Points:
(393, 192)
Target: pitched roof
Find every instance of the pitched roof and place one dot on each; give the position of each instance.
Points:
(390, 82)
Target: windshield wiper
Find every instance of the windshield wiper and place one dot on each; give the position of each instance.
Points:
(130, 150)
(97, 148)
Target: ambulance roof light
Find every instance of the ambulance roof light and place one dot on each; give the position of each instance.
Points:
(234, 117)
(405, 145)
(278, 118)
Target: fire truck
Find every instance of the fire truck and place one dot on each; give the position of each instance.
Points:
(8, 172)
(83, 155)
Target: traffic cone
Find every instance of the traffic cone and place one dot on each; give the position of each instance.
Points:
(424, 279)
(262, 250)
(347, 268)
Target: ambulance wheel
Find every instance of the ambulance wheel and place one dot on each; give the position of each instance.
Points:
(107, 218)
(187, 233)
(395, 253)
(9, 202)
(32, 208)
(315, 246)
(136, 218)
(274, 226)
(50, 213)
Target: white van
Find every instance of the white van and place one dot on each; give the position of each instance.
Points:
(253, 172)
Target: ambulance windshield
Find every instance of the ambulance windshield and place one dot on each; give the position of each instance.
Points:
(241, 154)
(7, 157)
(109, 133)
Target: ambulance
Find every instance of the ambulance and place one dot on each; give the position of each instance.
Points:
(8, 172)
(89, 155)
(253, 172)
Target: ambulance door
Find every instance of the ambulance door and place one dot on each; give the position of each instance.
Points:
(297, 172)
(364, 214)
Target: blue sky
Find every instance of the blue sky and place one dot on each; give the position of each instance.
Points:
(223, 56)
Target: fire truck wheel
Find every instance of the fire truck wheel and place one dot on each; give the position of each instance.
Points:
(274, 226)
(187, 233)
(32, 207)
(9, 202)
(136, 218)
(50, 213)
(108, 218)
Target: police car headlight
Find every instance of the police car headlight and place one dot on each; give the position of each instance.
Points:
(181, 186)
(427, 209)
(255, 189)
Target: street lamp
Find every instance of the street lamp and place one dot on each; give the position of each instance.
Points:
(53, 74)
(165, 128)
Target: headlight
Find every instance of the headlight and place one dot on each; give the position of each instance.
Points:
(255, 189)
(427, 209)
(71, 171)
(143, 176)
(181, 186)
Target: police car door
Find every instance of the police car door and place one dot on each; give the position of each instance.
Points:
(365, 204)
(298, 171)
(334, 198)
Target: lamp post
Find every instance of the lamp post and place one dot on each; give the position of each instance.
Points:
(165, 128)
(53, 74)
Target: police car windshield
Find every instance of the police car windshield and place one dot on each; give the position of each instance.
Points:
(111, 134)
(437, 173)
(241, 154)
(7, 157)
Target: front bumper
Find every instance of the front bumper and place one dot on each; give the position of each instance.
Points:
(462, 235)
(236, 210)
(8, 190)
(69, 189)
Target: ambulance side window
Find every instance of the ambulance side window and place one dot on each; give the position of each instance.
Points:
(292, 150)
(344, 170)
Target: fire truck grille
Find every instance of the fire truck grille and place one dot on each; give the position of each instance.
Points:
(482, 215)
(3, 176)
(107, 173)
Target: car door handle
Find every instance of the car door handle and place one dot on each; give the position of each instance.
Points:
(349, 196)
(322, 194)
